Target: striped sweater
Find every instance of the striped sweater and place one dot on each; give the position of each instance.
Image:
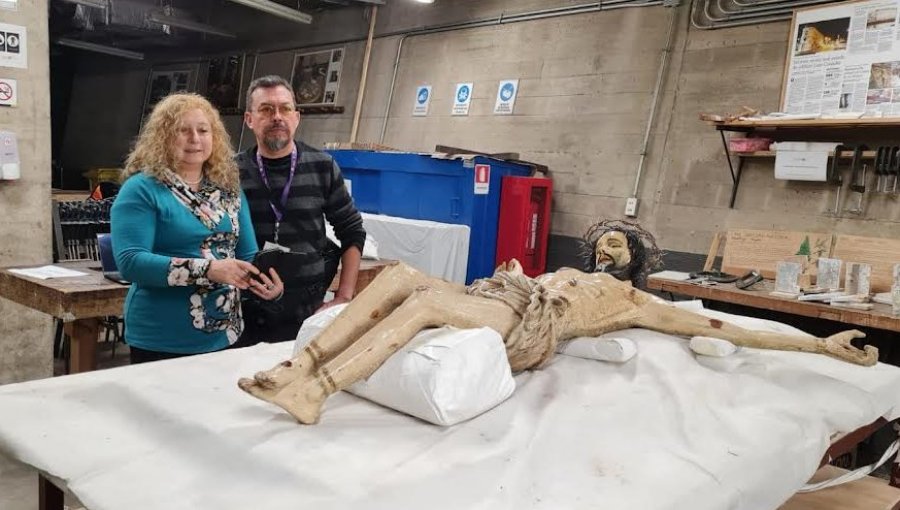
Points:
(317, 193)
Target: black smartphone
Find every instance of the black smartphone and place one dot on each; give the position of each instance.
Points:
(267, 259)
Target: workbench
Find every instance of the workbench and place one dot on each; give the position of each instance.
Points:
(759, 296)
(80, 302)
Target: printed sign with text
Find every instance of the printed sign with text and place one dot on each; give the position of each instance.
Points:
(462, 99)
(423, 99)
(506, 97)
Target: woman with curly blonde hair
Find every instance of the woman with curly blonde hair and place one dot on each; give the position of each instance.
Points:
(182, 235)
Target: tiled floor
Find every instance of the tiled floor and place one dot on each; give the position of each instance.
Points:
(18, 483)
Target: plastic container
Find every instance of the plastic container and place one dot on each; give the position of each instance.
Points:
(419, 186)
(749, 144)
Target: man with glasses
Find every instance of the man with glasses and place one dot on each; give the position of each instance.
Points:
(292, 189)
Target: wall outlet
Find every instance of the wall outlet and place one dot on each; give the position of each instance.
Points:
(631, 206)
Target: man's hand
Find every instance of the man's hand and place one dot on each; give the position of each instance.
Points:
(232, 272)
(338, 300)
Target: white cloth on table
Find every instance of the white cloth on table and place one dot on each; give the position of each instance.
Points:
(667, 430)
(436, 249)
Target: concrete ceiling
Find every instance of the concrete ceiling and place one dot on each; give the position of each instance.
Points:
(135, 24)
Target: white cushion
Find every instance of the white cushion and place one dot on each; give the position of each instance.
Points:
(601, 348)
(709, 346)
(443, 376)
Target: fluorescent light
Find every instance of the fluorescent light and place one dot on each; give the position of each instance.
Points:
(276, 9)
(187, 24)
(99, 4)
(425, 1)
(99, 48)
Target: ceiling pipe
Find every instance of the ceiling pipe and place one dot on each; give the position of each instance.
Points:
(276, 9)
(699, 9)
(99, 48)
(753, 12)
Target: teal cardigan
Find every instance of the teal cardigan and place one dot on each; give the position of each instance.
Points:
(164, 237)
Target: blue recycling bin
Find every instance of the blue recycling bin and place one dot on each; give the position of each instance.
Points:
(421, 187)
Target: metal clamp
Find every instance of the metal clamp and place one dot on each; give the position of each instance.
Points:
(748, 280)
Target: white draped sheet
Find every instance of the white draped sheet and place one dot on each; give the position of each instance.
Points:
(666, 430)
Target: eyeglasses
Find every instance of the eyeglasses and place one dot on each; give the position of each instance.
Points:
(268, 110)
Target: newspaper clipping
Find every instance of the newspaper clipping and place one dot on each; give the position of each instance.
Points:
(845, 58)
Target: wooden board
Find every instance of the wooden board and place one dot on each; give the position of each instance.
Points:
(881, 253)
(763, 249)
(868, 493)
(368, 270)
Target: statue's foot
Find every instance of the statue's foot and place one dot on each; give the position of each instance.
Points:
(267, 383)
(303, 399)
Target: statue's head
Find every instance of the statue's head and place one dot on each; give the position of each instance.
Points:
(622, 249)
(612, 251)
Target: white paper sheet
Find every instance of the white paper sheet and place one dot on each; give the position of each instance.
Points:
(47, 272)
(667, 430)
(678, 276)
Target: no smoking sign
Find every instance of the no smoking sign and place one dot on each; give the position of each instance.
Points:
(8, 95)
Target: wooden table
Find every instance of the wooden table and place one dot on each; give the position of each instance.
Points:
(80, 302)
(879, 317)
(368, 270)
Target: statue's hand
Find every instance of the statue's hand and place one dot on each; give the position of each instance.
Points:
(839, 346)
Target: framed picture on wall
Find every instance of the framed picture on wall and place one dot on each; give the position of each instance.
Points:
(316, 77)
(224, 81)
(165, 80)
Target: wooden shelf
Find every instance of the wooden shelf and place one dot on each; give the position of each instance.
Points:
(874, 131)
(744, 125)
(771, 154)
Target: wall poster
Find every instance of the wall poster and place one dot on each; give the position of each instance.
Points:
(223, 83)
(844, 58)
(167, 79)
(316, 77)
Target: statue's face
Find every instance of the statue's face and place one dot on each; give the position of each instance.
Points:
(612, 251)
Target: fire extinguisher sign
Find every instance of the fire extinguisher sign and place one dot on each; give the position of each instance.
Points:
(482, 179)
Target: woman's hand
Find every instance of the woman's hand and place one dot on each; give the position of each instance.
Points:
(265, 287)
(232, 272)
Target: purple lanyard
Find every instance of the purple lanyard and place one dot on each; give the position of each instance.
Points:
(285, 193)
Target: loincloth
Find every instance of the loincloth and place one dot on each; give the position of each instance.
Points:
(532, 342)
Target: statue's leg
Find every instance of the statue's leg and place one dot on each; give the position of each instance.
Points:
(386, 292)
(304, 397)
(668, 319)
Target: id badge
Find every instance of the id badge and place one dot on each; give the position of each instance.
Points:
(275, 246)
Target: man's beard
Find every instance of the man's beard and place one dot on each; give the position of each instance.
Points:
(278, 139)
(276, 144)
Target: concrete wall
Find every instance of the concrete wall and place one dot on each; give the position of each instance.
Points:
(25, 335)
(586, 84)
